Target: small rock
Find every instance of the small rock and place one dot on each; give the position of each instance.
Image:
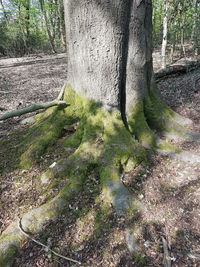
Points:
(131, 242)
(29, 120)
(147, 244)
(44, 179)
(52, 165)
(141, 196)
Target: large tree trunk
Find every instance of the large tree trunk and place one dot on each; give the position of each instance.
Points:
(109, 51)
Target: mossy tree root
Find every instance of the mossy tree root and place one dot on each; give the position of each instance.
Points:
(35, 220)
(162, 118)
(48, 127)
(101, 146)
(102, 141)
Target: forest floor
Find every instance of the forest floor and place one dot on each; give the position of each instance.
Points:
(168, 189)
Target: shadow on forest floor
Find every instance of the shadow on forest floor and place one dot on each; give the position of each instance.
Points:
(168, 189)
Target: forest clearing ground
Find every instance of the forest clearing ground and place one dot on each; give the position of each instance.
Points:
(169, 189)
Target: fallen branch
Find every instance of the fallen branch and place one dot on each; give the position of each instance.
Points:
(166, 259)
(44, 246)
(177, 69)
(60, 96)
(8, 92)
(32, 108)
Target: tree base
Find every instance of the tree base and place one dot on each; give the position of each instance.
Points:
(102, 143)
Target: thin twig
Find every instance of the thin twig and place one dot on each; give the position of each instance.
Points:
(166, 259)
(41, 244)
(8, 92)
(61, 93)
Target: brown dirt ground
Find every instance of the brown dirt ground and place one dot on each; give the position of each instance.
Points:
(168, 189)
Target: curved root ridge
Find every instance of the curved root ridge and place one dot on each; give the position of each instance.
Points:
(101, 141)
(165, 120)
(35, 220)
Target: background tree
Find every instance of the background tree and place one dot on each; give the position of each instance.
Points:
(165, 33)
(31, 27)
(182, 18)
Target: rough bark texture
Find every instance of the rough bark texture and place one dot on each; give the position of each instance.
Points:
(139, 56)
(109, 50)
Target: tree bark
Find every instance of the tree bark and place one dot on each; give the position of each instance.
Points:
(109, 50)
(4, 11)
(165, 30)
(195, 28)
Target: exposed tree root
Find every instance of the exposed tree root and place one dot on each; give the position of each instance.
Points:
(166, 259)
(160, 117)
(35, 220)
(101, 141)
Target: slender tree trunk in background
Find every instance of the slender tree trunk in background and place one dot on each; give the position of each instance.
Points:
(154, 19)
(53, 18)
(195, 28)
(165, 32)
(62, 24)
(4, 11)
(194, 20)
(173, 45)
(21, 44)
(182, 32)
(26, 5)
(51, 39)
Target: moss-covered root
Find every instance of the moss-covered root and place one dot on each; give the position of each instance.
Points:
(75, 168)
(34, 220)
(176, 117)
(49, 127)
(120, 151)
(169, 123)
(139, 127)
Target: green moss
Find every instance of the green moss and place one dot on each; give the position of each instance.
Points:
(139, 259)
(103, 140)
(11, 243)
(166, 146)
(74, 140)
(49, 128)
(139, 126)
(41, 136)
(121, 149)
(160, 116)
(8, 259)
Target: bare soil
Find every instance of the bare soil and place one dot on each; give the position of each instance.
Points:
(168, 189)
